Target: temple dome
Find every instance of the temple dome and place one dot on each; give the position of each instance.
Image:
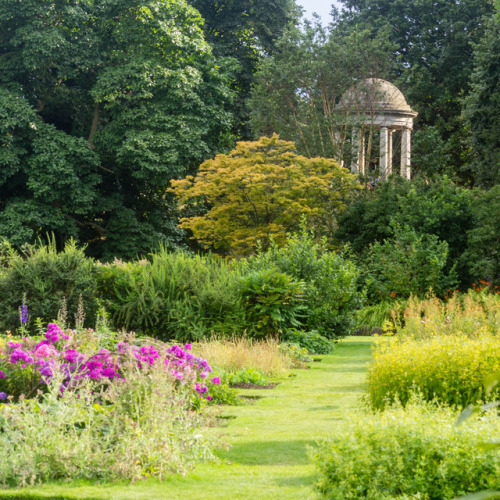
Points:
(375, 95)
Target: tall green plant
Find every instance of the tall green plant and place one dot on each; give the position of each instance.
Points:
(408, 264)
(173, 295)
(273, 301)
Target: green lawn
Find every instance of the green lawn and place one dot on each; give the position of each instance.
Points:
(269, 439)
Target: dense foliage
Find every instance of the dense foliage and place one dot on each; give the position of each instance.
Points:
(175, 295)
(413, 453)
(329, 281)
(47, 281)
(408, 264)
(102, 104)
(246, 30)
(260, 190)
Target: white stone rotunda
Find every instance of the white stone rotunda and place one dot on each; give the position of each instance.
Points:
(378, 104)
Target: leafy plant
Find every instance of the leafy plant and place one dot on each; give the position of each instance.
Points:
(408, 264)
(417, 452)
(313, 341)
(273, 301)
(46, 278)
(174, 295)
(330, 280)
(246, 375)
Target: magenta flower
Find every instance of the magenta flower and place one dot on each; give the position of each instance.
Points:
(216, 380)
(2, 374)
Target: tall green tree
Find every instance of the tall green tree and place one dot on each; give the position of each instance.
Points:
(298, 88)
(246, 30)
(103, 102)
(483, 106)
(433, 59)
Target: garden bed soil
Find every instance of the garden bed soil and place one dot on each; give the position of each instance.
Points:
(248, 385)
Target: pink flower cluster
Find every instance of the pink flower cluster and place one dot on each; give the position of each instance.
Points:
(103, 366)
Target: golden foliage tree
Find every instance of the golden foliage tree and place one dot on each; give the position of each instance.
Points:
(258, 190)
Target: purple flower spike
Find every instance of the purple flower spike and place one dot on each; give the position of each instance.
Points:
(23, 314)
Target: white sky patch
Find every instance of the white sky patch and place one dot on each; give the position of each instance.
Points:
(321, 7)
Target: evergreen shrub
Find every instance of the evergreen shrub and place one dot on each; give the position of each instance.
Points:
(45, 278)
(174, 295)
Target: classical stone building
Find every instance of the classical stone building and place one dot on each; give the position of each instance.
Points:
(375, 104)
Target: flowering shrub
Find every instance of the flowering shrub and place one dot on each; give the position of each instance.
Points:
(26, 366)
(137, 425)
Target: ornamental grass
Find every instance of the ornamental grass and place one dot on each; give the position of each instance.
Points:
(240, 353)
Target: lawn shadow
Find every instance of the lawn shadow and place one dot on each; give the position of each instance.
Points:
(324, 408)
(298, 482)
(270, 452)
(356, 388)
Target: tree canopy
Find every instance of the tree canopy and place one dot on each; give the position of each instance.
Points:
(246, 30)
(103, 102)
(433, 44)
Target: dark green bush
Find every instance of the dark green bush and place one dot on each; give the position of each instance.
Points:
(45, 277)
(313, 341)
(412, 453)
(440, 208)
(408, 264)
(175, 295)
(483, 253)
(329, 279)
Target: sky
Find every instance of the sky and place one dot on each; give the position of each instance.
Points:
(321, 7)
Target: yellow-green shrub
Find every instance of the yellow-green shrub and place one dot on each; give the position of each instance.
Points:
(447, 368)
(417, 452)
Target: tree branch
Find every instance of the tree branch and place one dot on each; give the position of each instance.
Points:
(93, 128)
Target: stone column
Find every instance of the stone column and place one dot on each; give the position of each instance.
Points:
(338, 153)
(406, 153)
(361, 152)
(354, 150)
(385, 153)
(390, 154)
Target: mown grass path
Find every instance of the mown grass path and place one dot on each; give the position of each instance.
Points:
(269, 438)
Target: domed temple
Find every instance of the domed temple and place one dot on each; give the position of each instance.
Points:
(378, 104)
